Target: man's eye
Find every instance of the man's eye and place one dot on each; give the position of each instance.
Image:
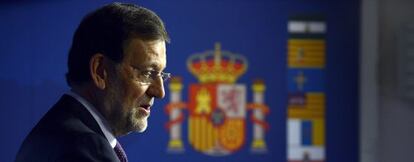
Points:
(146, 73)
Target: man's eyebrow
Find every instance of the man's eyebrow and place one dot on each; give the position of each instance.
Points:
(149, 66)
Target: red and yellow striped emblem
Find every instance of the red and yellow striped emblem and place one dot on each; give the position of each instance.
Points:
(216, 122)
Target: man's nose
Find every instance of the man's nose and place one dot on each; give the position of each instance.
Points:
(156, 88)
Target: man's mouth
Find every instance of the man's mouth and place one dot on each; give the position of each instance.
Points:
(146, 109)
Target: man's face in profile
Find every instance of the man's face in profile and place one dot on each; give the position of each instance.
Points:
(133, 85)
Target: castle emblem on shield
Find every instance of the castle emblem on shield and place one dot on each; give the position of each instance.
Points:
(217, 108)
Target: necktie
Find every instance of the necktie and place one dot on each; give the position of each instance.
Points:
(120, 152)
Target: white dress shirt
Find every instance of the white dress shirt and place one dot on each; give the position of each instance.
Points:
(97, 116)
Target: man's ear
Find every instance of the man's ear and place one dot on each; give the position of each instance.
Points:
(98, 71)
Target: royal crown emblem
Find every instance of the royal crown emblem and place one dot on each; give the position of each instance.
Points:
(217, 106)
(217, 67)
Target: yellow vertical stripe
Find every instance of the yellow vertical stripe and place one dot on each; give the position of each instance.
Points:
(196, 133)
(200, 134)
(200, 130)
(318, 132)
(194, 121)
(209, 136)
(203, 134)
(206, 135)
(190, 130)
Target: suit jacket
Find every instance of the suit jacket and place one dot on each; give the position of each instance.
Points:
(67, 132)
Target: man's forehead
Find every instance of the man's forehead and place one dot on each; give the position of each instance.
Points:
(146, 54)
(138, 46)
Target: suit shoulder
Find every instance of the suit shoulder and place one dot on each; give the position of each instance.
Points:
(88, 147)
(66, 128)
(74, 147)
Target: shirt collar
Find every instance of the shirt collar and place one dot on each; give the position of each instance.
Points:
(97, 116)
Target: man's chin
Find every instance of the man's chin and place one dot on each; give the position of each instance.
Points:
(142, 129)
(140, 125)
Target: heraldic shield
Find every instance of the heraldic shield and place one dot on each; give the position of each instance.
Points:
(217, 106)
(216, 122)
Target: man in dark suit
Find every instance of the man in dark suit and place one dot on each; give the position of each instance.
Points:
(115, 70)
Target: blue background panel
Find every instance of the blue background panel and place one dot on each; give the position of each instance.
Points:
(36, 36)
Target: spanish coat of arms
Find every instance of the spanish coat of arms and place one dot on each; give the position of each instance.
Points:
(217, 107)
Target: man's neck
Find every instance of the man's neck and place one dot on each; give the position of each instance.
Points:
(99, 118)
